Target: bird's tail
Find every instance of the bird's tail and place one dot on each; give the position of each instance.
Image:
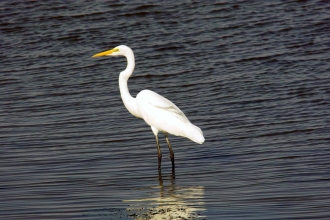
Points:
(195, 134)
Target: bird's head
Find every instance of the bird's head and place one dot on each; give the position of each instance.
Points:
(121, 50)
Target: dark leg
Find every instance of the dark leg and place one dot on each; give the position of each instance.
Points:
(159, 154)
(171, 151)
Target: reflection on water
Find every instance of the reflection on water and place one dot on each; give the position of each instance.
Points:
(169, 202)
(254, 75)
(164, 200)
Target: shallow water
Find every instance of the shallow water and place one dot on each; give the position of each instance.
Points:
(253, 75)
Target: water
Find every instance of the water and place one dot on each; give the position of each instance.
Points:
(254, 75)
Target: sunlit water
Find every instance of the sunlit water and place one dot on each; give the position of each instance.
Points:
(253, 75)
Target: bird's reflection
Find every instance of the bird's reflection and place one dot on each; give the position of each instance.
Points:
(160, 177)
(169, 201)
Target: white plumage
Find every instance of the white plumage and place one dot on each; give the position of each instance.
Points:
(163, 115)
(158, 112)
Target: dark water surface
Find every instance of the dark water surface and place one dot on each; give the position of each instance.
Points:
(254, 75)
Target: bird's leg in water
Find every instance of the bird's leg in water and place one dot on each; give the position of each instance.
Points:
(171, 151)
(159, 153)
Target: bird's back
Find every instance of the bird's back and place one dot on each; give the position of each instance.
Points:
(165, 116)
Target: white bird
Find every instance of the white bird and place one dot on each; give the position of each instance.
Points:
(158, 112)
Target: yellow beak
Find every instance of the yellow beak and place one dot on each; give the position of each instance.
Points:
(106, 53)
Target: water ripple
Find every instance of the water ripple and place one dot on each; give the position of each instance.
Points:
(254, 76)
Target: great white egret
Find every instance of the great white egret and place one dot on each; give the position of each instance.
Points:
(158, 112)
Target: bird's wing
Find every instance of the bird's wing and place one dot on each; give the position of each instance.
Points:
(163, 103)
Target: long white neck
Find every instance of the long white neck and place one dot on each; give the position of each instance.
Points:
(129, 101)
